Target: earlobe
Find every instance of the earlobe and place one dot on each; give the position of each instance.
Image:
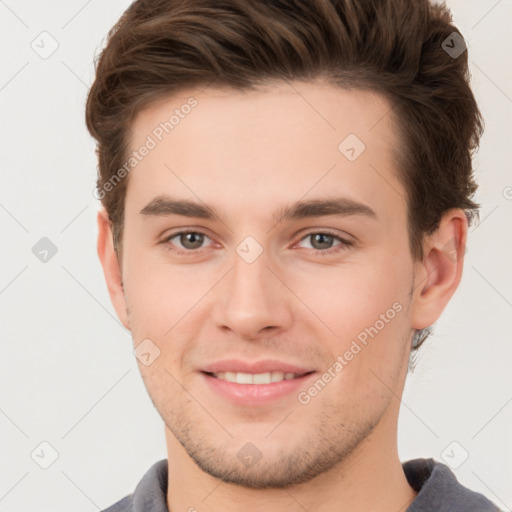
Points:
(111, 267)
(440, 272)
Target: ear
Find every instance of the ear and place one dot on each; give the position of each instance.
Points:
(111, 267)
(439, 274)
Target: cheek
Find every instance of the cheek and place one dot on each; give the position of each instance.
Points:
(350, 297)
(366, 307)
(156, 292)
(164, 302)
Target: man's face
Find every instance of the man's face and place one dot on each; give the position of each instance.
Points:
(248, 289)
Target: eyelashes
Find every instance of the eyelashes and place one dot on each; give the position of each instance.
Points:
(341, 246)
(181, 235)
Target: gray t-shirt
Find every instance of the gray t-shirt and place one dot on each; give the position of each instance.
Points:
(438, 491)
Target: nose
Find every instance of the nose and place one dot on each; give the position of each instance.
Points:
(252, 300)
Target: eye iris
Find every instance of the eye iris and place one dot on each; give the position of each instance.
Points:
(322, 236)
(196, 239)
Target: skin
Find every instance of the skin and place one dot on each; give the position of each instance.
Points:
(247, 155)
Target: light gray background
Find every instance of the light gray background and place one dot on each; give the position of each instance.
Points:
(68, 374)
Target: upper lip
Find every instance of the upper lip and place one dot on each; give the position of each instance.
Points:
(264, 366)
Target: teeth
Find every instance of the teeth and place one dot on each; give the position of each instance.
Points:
(243, 378)
(255, 378)
(260, 378)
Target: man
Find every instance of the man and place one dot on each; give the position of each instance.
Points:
(286, 192)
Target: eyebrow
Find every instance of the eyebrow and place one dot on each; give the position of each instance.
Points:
(164, 205)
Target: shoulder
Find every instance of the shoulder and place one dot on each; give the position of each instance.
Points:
(149, 495)
(123, 505)
(439, 490)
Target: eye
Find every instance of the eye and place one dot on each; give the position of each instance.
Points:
(322, 241)
(190, 241)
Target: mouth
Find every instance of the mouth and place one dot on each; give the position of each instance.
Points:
(256, 378)
(256, 389)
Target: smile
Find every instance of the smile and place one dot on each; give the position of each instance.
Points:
(255, 378)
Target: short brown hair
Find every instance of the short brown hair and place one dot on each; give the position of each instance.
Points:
(397, 48)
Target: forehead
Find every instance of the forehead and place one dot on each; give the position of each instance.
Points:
(315, 109)
(268, 146)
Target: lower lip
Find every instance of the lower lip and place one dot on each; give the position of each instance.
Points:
(255, 394)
